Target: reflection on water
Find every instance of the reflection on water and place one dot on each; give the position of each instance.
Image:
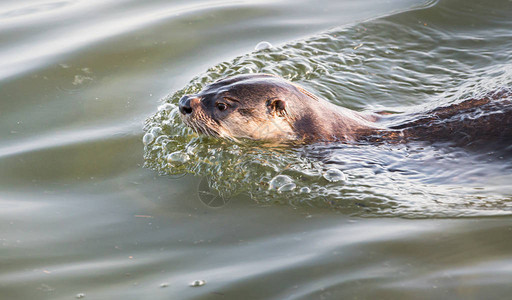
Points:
(27, 11)
(81, 217)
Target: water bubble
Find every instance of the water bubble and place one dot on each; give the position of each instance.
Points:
(161, 139)
(334, 175)
(166, 107)
(280, 181)
(156, 130)
(178, 157)
(287, 187)
(197, 283)
(263, 45)
(305, 190)
(148, 138)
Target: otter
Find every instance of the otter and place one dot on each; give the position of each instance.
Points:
(269, 108)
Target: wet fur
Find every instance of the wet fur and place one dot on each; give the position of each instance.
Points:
(272, 109)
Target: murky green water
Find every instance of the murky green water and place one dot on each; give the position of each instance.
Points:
(80, 215)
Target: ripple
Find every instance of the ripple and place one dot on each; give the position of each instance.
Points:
(34, 9)
(62, 138)
(381, 63)
(42, 50)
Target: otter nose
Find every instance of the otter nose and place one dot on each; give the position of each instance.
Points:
(185, 107)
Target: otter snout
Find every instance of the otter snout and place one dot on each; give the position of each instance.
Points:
(184, 104)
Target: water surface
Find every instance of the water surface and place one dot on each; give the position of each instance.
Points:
(80, 215)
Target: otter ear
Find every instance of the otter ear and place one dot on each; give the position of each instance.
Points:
(276, 106)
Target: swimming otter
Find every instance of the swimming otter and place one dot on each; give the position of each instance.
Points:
(269, 108)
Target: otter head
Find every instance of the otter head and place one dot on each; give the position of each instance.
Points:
(255, 106)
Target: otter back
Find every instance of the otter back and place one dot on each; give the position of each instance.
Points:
(473, 121)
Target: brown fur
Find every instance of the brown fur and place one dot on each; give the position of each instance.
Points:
(266, 107)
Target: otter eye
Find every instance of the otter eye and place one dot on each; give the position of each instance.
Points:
(221, 106)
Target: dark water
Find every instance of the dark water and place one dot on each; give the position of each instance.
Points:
(80, 215)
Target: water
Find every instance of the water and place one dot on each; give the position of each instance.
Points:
(81, 217)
